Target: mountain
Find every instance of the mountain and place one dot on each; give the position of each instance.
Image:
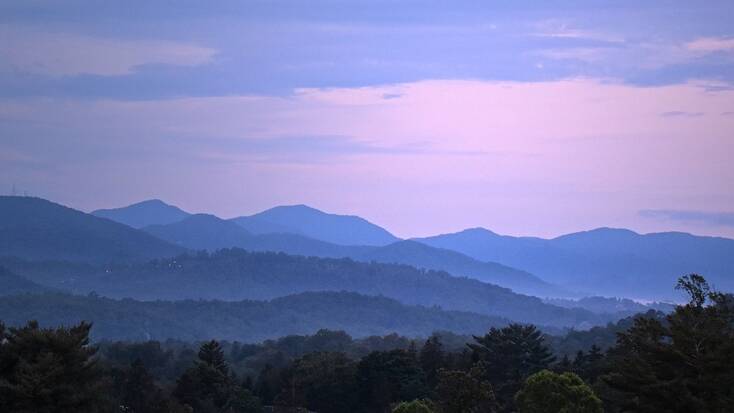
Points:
(208, 232)
(34, 228)
(11, 283)
(237, 274)
(199, 232)
(247, 321)
(142, 214)
(604, 261)
(424, 256)
(310, 222)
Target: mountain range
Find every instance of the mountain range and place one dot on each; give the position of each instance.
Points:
(207, 232)
(34, 228)
(604, 261)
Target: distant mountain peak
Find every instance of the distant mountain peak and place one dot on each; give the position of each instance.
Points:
(305, 220)
(144, 213)
(478, 230)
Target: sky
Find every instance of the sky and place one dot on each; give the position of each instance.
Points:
(526, 118)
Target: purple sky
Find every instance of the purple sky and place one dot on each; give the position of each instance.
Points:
(530, 120)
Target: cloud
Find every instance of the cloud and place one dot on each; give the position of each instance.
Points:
(34, 51)
(711, 44)
(468, 145)
(725, 219)
(681, 114)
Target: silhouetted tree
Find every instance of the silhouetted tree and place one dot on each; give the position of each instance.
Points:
(139, 392)
(208, 387)
(684, 363)
(48, 370)
(384, 377)
(512, 354)
(322, 382)
(431, 359)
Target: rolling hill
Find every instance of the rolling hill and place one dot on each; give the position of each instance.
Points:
(247, 321)
(142, 214)
(237, 274)
(208, 232)
(310, 222)
(11, 283)
(604, 261)
(34, 228)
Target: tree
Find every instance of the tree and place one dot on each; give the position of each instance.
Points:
(385, 377)
(511, 354)
(323, 382)
(416, 406)
(208, 386)
(139, 392)
(465, 392)
(549, 392)
(684, 363)
(48, 370)
(432, 358)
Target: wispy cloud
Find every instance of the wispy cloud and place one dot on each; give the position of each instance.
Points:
(711, 44)
(34, 51)
(681, 114)
(725, 219)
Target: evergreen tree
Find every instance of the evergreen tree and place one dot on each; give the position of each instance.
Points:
(208, 386)
(511, 354)
(48, 370)
(322, 382)
(431, 359)
(139, 392)
(385, 377)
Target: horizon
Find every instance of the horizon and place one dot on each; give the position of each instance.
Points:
(400, 238)
(530, 119)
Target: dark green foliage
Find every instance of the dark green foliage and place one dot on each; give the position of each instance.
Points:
(684, 363)
(432, 358)
(512, 354)
(48, 370)
(322, 382)
(416, 406)
(139, 393)
(548, 392)
(388, 377)
(465, 392)
(208, 386)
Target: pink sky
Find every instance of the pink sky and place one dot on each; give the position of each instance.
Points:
(526, 158)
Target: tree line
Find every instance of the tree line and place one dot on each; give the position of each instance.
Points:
(682, 362)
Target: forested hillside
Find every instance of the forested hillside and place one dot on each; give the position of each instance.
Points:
(236, 274)
(246, 321)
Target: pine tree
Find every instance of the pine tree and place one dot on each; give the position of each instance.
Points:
(48, 370)
(512, 354)
(432, 358)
